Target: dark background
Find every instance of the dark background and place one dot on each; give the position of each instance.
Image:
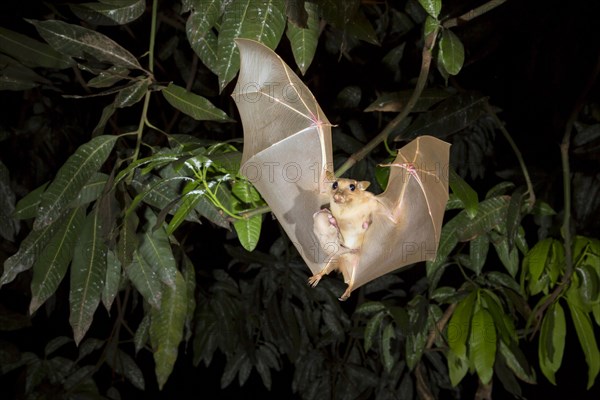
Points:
(537, 61)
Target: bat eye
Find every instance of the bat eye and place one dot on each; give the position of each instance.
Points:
(352, 187)
(335, 185)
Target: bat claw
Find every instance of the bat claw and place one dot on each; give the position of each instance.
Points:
(313, 281)
(346, 294)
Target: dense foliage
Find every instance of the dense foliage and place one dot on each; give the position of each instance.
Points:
(130, 239)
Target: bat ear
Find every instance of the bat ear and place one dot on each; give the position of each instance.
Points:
(329, 176)
(363, 185)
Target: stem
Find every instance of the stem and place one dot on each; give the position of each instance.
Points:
(143, 117)
(140, 129)
(421, 81)
(152, 36)
(517, 152)
(474, 13)
(256, 211)
(566, 226)
(439, 326)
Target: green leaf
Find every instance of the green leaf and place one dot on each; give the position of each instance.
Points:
(263, 21)
(451, 53)
(502, 279)
(492, 212)
(186, 207)
(200, 36)
(596, 313)
(304, 40)
(72, 177)
(91, 191)
(193, 105)
(448, 240)
(457, 367)
(372, 329)
(166, 328)
(513, 215)
(9, 227)
(245, 191)
(465, 193)
(588, 284)
(502, 321)
(207, 49)
(551, 346)
(444, 294)
(396, 102)
(248, 231)
(431, 23)
(109, 77)
(517, 362)
(30, 249)
(386, 347)
(509, 258)
(109, 12)
(535, 261)
(27, 207)
(499, 190)
(145, 280)
(31, 52)
(156, 250)
(76, 41)
(370, 307)
(88, 271)
(107, 112)
(132, 94)
(51, 266)
(127, 242)
(142, 333)
(112, 281)
(359, 27)
(482, 344)
(123, 364)
(450, 116)
(459, 325)
(189, 275)
(55, 344)
(585, 333)
(542, 209)
(433, 7)
(478, 252)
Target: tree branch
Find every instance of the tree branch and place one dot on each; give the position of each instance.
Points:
(474, 13)
(421, 81)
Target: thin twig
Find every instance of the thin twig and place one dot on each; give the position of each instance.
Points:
(474, 13)
(421, 81)
(566, 228)
(440, 325)
(509, 139)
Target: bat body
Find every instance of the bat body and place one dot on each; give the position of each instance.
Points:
(288, 157)
(341, 231)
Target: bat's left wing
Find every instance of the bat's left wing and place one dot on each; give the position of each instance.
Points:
(406, 227)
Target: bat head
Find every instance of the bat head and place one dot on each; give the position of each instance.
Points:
(348, 191)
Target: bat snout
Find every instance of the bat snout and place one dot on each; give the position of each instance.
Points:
(339, 198)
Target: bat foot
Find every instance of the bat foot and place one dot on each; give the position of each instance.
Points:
(346, 294)
(314, 280)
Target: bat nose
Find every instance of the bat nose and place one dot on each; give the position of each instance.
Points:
(339, 198)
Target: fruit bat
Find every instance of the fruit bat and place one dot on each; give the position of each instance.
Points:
(287, 155)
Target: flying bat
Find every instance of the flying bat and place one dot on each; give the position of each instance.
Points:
(336, 224)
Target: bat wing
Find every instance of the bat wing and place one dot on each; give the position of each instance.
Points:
(406, 227)
(287, 144)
